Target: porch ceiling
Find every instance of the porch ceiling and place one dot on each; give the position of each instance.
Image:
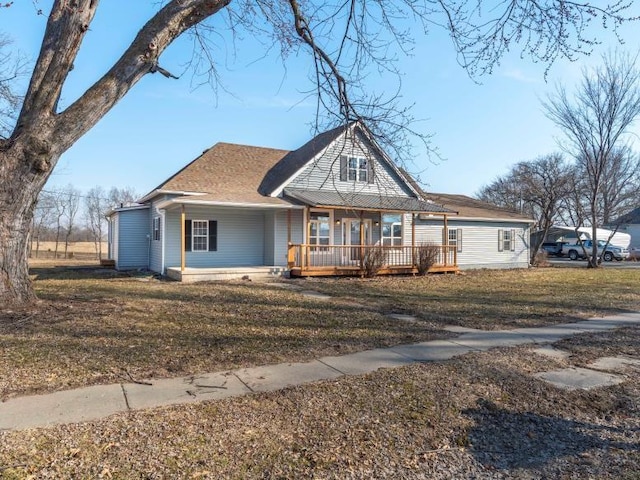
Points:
(364, 201)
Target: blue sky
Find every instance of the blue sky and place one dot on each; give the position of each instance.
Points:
(480, 129)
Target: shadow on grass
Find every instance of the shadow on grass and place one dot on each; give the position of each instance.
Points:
(510, 441)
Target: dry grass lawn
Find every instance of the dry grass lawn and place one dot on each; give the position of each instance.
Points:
(480, 416)
(94, 326)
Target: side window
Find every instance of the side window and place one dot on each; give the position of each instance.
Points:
(156, 228)
(455, 238)
(506, 240)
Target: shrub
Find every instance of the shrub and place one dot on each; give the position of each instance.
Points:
(426, 257)
(373, 260)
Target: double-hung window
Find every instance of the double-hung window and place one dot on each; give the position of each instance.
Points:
(156, 228)
(319, 228)
(356, 169)
(455, 238)
(506, 240)
(201, 235)
(391, 229)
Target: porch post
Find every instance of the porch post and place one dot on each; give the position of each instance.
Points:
(445, 240)
(182, 239)
(413, 239)
(288, 226)
(361, 239)
(307, 234)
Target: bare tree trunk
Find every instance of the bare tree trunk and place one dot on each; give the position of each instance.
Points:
(20, 181)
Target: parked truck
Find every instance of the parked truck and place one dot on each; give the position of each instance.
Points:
(575, 251)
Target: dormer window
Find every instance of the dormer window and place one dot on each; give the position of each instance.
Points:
(356, 169)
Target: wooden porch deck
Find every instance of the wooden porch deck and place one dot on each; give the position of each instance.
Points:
(352, 260)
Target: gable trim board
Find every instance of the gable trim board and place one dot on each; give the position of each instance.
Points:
(233, 186)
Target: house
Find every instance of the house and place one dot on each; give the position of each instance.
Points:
(485, 236)
(319, 210)
(629, 223)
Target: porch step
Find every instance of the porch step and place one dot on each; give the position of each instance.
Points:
(191, 275)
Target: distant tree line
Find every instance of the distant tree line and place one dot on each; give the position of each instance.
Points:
(596, 178)
(67, 215)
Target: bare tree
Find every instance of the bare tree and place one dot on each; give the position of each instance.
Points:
(71, 198)
(96, 205)
(347, 40)
(42, 218)
(59, 211)
(596, 122)
(122, 197)
(12, 67)
(536, 188)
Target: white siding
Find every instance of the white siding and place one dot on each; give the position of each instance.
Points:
(324, 174)
(479, 241)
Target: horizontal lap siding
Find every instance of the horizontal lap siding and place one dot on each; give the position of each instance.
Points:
(324, 174)
(155, 260)
(133, 239)
(269, 237)
(479, 242)
(240, 238)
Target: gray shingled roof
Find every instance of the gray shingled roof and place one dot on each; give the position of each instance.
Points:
(363, 201)
(295, 160)
(632, 217)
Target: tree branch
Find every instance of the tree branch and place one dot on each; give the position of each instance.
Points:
(140, 58)
(66, 27)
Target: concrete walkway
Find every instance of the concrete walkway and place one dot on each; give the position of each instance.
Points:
(92, 403)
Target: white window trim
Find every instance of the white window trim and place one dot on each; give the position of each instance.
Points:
(382, 237)
(320, 210)
(193, 236)
(156, 228)
(361, 169)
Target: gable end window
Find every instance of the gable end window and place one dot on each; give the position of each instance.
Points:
(506, 240)
(156, 228)
(201, 235)
(356, 169)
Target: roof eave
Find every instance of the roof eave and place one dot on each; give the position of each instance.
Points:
(215, 203)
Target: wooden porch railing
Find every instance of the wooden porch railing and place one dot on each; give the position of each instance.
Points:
(306, 256)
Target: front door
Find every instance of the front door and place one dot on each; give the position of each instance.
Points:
(351, 237)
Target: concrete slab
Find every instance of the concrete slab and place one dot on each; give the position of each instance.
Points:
(170, 391)
(549, 334)
(616, 364)
(579, 378)
(315, 295)
(486, 340)
(401, 316)
(70, 406)
(274, 377)
(459, 329)
(601, 325)
(551, 352)
(367, 361)
(431, 351)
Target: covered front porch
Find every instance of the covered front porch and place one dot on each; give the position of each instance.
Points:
(349, 260)
(348, 240)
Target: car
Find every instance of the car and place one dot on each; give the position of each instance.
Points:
(576, 251)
